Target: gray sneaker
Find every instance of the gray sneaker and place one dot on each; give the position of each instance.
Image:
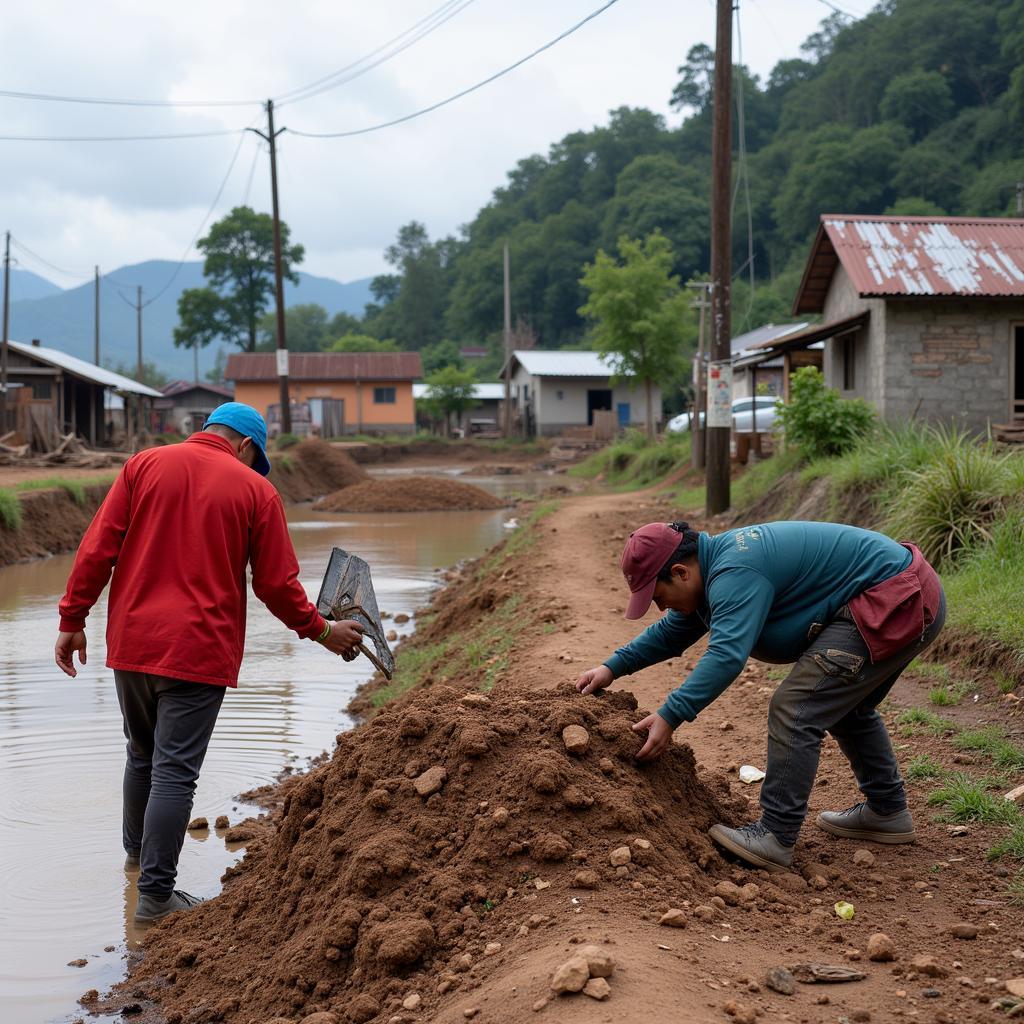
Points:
(150, 908)
(754, 844)
(860, 822)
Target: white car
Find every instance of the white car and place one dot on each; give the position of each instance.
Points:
(742, 416)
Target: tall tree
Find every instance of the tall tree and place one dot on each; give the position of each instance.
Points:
(450, 392)
(639, 310)
(239, 269)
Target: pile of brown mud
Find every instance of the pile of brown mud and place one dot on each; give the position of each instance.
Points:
(408, 494)
(429, 834)
(313, 468)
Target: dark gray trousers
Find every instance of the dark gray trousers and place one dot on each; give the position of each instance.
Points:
(168, 724)
(834, 687)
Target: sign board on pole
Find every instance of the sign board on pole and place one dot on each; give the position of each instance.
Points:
(282, 362)
(720, 394)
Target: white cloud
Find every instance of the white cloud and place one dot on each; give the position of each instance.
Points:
(80, 204)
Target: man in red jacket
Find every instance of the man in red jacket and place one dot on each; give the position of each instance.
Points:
(178, 528)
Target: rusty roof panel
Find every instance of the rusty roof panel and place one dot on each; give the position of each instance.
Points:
(930, 255)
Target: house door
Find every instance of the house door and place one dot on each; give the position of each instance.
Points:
(1017, 376)
(622, 408)
(598, 399)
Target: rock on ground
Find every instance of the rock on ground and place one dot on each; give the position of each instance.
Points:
(881, 948)
(571, 976)
(597, 988)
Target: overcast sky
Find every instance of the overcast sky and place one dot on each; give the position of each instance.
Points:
(77, 204)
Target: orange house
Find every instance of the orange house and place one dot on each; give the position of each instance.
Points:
(346, 392)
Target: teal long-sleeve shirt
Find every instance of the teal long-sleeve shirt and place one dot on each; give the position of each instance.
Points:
(766, 587)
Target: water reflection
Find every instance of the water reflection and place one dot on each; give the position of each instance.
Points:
(64, 892)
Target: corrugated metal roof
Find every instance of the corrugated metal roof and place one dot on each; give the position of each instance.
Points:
(254, 366)
(915, 256)
(80, 368)
(177, 387)
(563, 364)
(763, 335)
(484, 392)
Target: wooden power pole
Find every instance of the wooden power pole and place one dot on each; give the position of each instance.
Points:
(508, 344)
(96, 315)
(697, 454)
(138, 332)
(282, 340)
(718, 421)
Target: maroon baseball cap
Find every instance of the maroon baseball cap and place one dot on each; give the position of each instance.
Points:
(646, 551)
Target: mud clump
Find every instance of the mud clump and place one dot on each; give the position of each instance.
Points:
(313, 468)
(366, 889)
(408, 494)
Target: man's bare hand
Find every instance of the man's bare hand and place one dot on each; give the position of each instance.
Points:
(659, 736)
(344, 638)
(63, 652)
(595, 679)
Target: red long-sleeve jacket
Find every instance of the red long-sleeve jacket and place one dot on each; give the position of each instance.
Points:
(177, 528)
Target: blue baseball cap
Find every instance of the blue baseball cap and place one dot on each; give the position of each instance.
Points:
(248, 422)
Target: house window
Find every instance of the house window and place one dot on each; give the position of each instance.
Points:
(384, 396)
(41, 389)
(848, 353)
(559, 395)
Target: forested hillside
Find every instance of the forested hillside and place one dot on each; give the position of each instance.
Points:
(916, 108)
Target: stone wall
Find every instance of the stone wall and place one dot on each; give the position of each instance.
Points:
(949, 359)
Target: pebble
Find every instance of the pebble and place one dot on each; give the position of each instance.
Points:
(391, 636)
(607, 765)
(727, 727)
(1015, 986)
(491, 948)
(881, 948)
(586, 879)
(471, 1011)
(705, 913)
(964, 930)
(620, 856)
(431, 781)
(412, 1002)
(673, 918)
(927, 965)
(198, 823)
(730, 892)
(931, 993)
(863, 858)
(597, 988)
(780, 980)
(401, 617)
(80, 962)
(539, 1005)
(576, 739)
(742, 1013)
(500, 816)
(571, 976)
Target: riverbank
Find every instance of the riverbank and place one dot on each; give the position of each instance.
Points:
(509, 629)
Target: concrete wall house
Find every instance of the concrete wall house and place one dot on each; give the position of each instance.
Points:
(553, 391)
(484, 418)
(922, 316)
(186, 404)
(332, 393)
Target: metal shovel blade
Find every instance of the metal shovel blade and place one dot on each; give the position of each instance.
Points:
(347, 593)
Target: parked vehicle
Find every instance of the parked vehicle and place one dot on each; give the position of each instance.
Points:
(742, 416)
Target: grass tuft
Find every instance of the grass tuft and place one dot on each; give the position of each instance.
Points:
(10, 509)
(917, 720)
(992, 741)
(924, 767)
(964, 798)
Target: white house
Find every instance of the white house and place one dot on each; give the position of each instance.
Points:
(555, 390)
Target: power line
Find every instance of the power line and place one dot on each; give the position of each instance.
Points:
(46, 97)
(120, 138)
(431, 23)
(465, 92)
(46, 263)
(252, 172)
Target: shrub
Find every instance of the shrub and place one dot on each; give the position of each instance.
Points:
(286, 441)
(949, 506)
(817, 421)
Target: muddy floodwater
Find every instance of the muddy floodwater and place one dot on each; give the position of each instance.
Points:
(64, 894)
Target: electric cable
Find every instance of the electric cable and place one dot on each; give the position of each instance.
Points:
(84, 275)
(121, 138)
(464, 92)
(252, 172)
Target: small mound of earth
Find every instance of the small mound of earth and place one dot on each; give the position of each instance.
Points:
(312, 468)
(430, 832)
(408, 494)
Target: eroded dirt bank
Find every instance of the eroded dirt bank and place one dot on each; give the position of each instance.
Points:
(52, 521)
(370, 892)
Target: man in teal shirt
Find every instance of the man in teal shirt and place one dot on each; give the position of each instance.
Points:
(849, 607)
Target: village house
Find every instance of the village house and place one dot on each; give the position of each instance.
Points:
(52, 394)
(922, 316)
(555, 391)
(484, 418)
(336, 393)
(185, 404)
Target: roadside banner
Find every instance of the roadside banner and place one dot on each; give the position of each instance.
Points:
(719, 394)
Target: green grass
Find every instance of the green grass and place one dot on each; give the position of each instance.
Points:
(1006, 684)
(1015, 890)
(924, 767)
(964, 798)
(993, 743)
(633, 462)
(1011, 846)
(412, 665)
(948, 696)
(10, 509)
(918, 720)
(761, 477)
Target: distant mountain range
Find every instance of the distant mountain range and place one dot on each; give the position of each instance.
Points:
(64, 318)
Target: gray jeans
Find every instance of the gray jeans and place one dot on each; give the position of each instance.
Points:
(834, 687)
(168, 724)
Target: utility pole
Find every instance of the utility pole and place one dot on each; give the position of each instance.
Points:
(138, 332)
(3, 344)
(282, 341)
(508, 346)
(1020, 198)
(697, 454)
(719, 420)
(96, 316)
